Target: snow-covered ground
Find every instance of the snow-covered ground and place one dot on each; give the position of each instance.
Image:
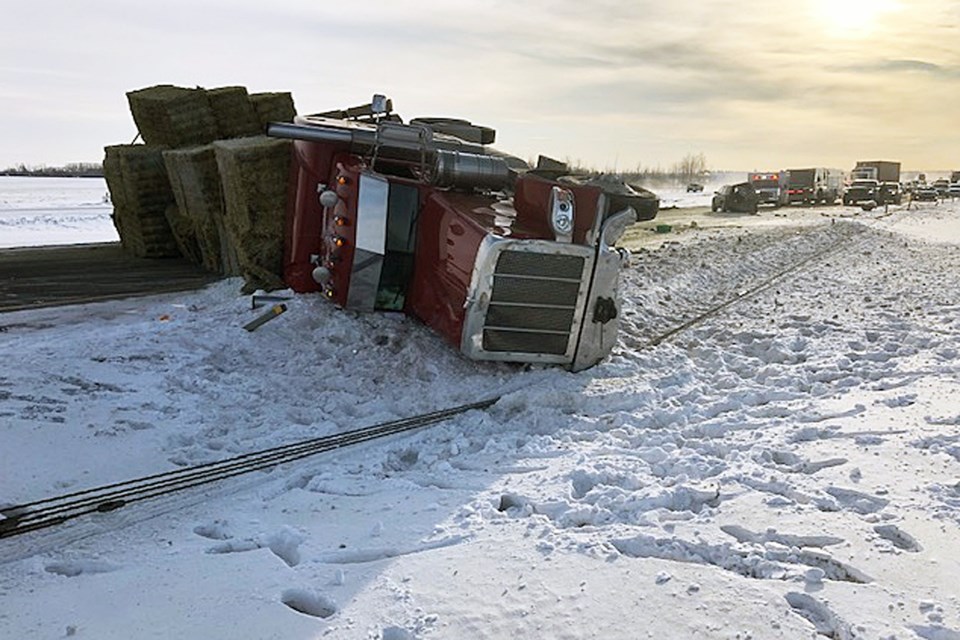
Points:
(673, 195)
(39, 211)
(789, 468)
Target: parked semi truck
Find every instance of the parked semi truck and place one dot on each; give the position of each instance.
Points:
(506, 261)
(771, 187)
(814, 185)
(879, 170)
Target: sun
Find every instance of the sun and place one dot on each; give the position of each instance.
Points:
(853, 18)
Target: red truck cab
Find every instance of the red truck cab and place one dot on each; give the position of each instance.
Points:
(506, 262)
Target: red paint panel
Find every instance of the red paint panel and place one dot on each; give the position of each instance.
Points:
(532, 202)
(308, 229)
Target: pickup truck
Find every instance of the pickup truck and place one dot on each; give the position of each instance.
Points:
(862, 191)
(890, 193)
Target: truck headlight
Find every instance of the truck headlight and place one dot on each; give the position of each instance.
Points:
(562, 214)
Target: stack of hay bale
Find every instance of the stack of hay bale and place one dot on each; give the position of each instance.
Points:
(206, 184)
(254, 173)
(140, 193)
(196, 189)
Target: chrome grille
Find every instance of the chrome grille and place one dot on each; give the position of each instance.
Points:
(533, 302)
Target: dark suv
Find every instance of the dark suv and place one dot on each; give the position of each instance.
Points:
(741, 197)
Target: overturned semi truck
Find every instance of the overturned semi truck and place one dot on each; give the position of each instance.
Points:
(507, 262)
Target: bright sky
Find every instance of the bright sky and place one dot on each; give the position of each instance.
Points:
(611, 84)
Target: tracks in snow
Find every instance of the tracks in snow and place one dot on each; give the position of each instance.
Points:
(51, 512)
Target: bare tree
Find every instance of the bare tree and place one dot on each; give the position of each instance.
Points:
(692, 165)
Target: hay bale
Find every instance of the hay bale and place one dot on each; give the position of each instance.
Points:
(195, 179)
(254, 175)
(273, 107)
(171, 117)
(140, 192)
(234, 112)
(184, 233)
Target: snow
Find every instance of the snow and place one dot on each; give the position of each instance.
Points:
(789, 467)
(52, 211)
(675, 196)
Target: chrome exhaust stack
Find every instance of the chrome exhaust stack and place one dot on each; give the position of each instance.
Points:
(444, 163)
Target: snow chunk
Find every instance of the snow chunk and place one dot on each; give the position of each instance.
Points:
(73, 568)
(285, 544)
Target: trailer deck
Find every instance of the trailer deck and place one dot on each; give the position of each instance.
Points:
(35, 277)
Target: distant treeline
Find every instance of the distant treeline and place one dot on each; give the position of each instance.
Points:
(692, 167)
(73, 170)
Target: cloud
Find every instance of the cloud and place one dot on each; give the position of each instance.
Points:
(596, 79)
(903, 66)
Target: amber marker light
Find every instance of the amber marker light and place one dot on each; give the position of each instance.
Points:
(340, 221)
(343, 187)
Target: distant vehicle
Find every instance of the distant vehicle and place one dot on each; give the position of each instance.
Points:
(954, 190)
(890, 193)
(771, 187)
(818, 184)
(879, 170)
(740, 197)
(925, 193)
(862, 191)
(942, 186)
(694, 187)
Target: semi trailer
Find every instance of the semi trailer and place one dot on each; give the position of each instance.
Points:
(879, 170)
